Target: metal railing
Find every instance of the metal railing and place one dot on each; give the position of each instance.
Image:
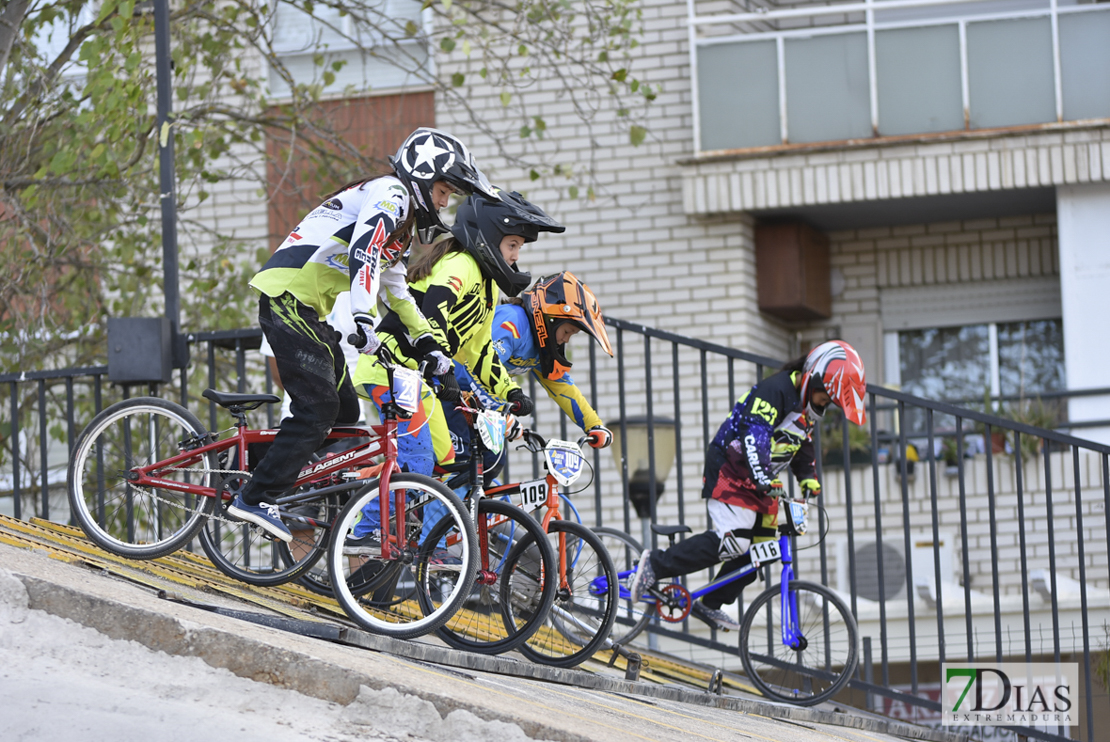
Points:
(47, 410)
(1028, 518)
(1023, 574)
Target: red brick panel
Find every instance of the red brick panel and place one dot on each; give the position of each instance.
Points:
(375, 125)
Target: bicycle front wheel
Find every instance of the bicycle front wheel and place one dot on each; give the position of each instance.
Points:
(825, 653)
(585, 605)
(139, 522)
(443, 569)
(516, 559)
(632, 618)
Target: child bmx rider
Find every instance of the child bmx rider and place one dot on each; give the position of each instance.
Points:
(768, 428)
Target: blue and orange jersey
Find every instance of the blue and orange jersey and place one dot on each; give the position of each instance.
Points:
(516, 347)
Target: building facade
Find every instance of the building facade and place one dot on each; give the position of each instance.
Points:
(927, 180)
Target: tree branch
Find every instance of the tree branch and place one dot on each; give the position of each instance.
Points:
(10, 20)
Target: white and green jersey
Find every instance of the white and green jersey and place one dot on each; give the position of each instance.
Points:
(343, 245)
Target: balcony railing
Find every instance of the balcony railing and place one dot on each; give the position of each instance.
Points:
(999, 554)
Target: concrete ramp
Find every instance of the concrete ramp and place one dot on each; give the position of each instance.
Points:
(294, 640)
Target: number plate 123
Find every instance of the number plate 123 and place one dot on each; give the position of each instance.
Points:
(533, 494)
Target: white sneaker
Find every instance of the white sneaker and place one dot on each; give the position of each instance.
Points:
(644, 577)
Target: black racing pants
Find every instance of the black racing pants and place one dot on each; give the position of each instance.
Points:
(314, 374)
(701, 552)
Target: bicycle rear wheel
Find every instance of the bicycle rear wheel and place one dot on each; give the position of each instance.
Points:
(582, 617)
(394, 606)
(518, 557)
(825, 659)
(139, 522)
(632, 618)
(245, 552)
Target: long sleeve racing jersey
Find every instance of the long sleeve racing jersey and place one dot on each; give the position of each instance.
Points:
(343, 245)
(515, 345)
(764, 432)
(459, 305)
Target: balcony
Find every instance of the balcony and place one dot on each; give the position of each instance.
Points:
(811, 73)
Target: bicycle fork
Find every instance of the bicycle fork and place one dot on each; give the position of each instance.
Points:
(791, 630)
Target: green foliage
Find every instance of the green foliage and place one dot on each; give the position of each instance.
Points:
(585, 48)
(1102, 659)
(80, 217)
(1037, 413)
(80, 212)
(832, 440)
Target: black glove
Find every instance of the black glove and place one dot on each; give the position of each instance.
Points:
(425, 344)
(448, 387)
(520, 403)
(768, 489)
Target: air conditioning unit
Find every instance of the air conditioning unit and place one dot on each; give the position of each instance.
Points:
(865, 559)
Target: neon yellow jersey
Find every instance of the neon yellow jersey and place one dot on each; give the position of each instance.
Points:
(458, 302)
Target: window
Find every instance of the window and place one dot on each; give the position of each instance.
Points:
(377, 51)
(963, 364)
(1031, 357)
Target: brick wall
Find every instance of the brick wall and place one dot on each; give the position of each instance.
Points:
(939, 253)
(375, 124)
(646, 260)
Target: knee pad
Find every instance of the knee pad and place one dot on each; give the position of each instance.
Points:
(735, 544)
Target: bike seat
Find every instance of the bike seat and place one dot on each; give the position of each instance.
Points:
(246, 401)
(669, 530)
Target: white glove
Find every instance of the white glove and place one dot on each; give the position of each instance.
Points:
(366, 333)
(442, 362)
(513, 428)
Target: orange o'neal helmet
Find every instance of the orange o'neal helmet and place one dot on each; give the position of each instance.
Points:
(552, 301)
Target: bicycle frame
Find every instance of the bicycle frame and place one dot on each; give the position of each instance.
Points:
(791, 632)
(476, 466)
(551, 503)
(552, 513)
(383, 443)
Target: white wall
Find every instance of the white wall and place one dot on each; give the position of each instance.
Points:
(1083, 213)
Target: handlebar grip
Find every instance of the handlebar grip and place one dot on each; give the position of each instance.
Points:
(355, 340)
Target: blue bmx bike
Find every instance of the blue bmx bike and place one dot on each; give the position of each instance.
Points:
(798, 640)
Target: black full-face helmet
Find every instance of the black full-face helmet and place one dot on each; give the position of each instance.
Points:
(481, 223)
(428, 155)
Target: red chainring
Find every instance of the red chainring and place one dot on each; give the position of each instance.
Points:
(676, 603)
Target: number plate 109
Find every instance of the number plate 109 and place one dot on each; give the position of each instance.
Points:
(765, 551)
(533, 494)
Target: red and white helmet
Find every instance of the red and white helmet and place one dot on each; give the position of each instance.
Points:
(835, 368)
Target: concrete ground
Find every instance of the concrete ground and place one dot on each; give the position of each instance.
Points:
(87, 655)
